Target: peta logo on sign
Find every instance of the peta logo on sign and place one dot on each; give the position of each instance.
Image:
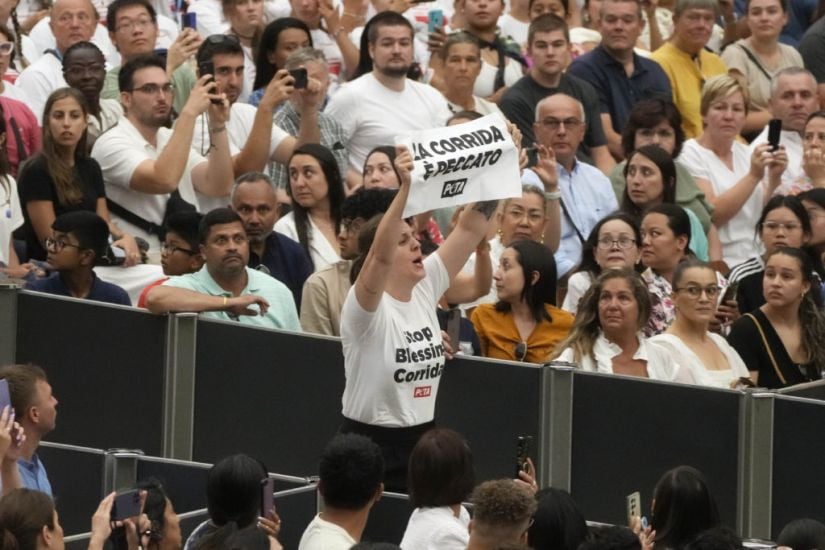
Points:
(453, 188)
(422, 391)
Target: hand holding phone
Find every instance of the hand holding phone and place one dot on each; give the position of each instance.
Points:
(267, 496)
(774, 133)
(300, 77)
(189, 20)
(523, 443)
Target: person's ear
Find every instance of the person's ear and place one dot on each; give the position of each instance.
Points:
(196, 261)
(87, 257)
(47, 536)
(534, 278)
(682, 242)
(378, 493)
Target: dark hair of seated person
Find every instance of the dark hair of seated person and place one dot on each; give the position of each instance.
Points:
(802, 534)
(233, 490)
(718, 538)
(441, 469)
(185, 224)
(683, 507)
(535, 257)
(557, 524)
(613, 537)
(90, 230)
(155, 509)
(229, 536)
(351, 471)
(23, 515)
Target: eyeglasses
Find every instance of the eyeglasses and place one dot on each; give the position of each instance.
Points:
(776, 226)
(553, 124)
(171, 249)
(521, 351)
(6, 48)
(696, 291)
(57, 245)
(216, 39)
(154, 89)
(129, 24)
(606, 243)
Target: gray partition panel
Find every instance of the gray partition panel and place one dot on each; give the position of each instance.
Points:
(388, 520)
(105, 365)
(628, 432)
(185, 484)
(77, 485)
(296, 511)
(798, 485)
(490, 403)
(270, 394)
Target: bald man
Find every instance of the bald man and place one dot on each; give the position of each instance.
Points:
(72, 21)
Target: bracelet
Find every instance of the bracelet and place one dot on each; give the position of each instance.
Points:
(552, 195)
(353, 15)
(217, 129)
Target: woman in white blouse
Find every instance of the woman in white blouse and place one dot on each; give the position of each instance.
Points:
(711, 359)
(605, 336)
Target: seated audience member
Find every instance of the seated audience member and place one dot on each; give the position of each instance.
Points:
(164, 523)
(12, 217)
(325, 290)
(784, 222)
(686, 61)
(650, 174)
(7, 65)
(793, 306)
(441, 477)
(605, 336)
(657, 122)
(802, 534)
(317, 192)
(149, 169)
(78, 241)
(727, 173)
(613, 243)
(233, 496)
(611, 537)
(63, 178)
(84, 68)
(71, 21)
(549, 47)
(709, 356)
(133, 29)
(254, 200)
(585, 192)
(180, 250)
(682, 507)
(279, 38)
(557, 523)
(522, 325)
(329, 35)
(225, 288)
(246, 21)
(793, 99)
(502, 512)
(35, 410)
(289, 117)
(462, 63)
(25, 138)
(350, 472)
(814, 203)
(716, 538)
(813, 150)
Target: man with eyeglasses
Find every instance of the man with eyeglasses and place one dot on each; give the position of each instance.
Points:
(79, 239)
(71, 21)
(151, 171)
(253, 199)
(84, 68)
(586, 193)
(133, 29)
(619, 75)
(549, 47)
(225, 288)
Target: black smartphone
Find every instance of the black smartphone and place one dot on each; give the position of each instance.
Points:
(267, 498)
(126, 505)
(454, 328)
(5, 396)
(208, 67)
(301, 78)
(730, 293)
(523, 443)
(774, 132)
(189, 20)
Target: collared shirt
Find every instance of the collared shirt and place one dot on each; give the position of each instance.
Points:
(332, 137)
(101, 291)
(33, 475)
(323, 299)
(617, 91)
(110, 112)
(286, 261)
(281, 313)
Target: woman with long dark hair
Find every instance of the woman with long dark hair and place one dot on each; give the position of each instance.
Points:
(317, 192)
(279, 39)
(683, 507)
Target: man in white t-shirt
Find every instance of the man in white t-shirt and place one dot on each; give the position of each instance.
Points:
(254, 139)
(72, 21)
(144, 163)
(351, 471)
(377, 106)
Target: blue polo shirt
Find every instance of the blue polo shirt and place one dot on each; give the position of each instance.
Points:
(286, 261)
(101, 290)
(618, 92)
(33, 475)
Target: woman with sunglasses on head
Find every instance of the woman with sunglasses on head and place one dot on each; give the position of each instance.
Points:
(782, 340)
(522, 325)
(709, 356)
(606, 334)
(63, 177)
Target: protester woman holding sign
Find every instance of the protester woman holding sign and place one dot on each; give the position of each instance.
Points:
(393, 350)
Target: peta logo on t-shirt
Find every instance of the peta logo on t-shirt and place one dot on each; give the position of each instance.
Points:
(422, 391)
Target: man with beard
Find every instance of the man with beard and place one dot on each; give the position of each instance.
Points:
(253, 198)
(383, 103)
(225, 288)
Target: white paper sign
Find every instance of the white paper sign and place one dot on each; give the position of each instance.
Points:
(474, 161)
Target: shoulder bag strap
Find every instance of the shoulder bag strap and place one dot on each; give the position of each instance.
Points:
(767, 347)
(756, 62)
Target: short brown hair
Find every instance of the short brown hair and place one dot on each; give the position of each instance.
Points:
(502, 509)
(22, 381)
(547, 22)
(441, 469)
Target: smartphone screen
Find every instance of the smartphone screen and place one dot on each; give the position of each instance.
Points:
(435, 20)
(189, 20)
(300, 76)
(267, 498)
(522, 452)
(126, 505)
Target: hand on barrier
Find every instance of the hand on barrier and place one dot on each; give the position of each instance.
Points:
(240, 305)
(527, 477)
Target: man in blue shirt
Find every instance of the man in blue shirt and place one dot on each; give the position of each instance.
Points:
(225, 288)
(619, 75)
(78, 240)
(36, 410)
(253, 198)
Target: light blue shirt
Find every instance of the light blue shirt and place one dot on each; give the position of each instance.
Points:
(588, 197)
(33, 475)
(281, 314)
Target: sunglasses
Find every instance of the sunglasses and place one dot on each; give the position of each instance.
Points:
(521, 351)
(6, 48)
